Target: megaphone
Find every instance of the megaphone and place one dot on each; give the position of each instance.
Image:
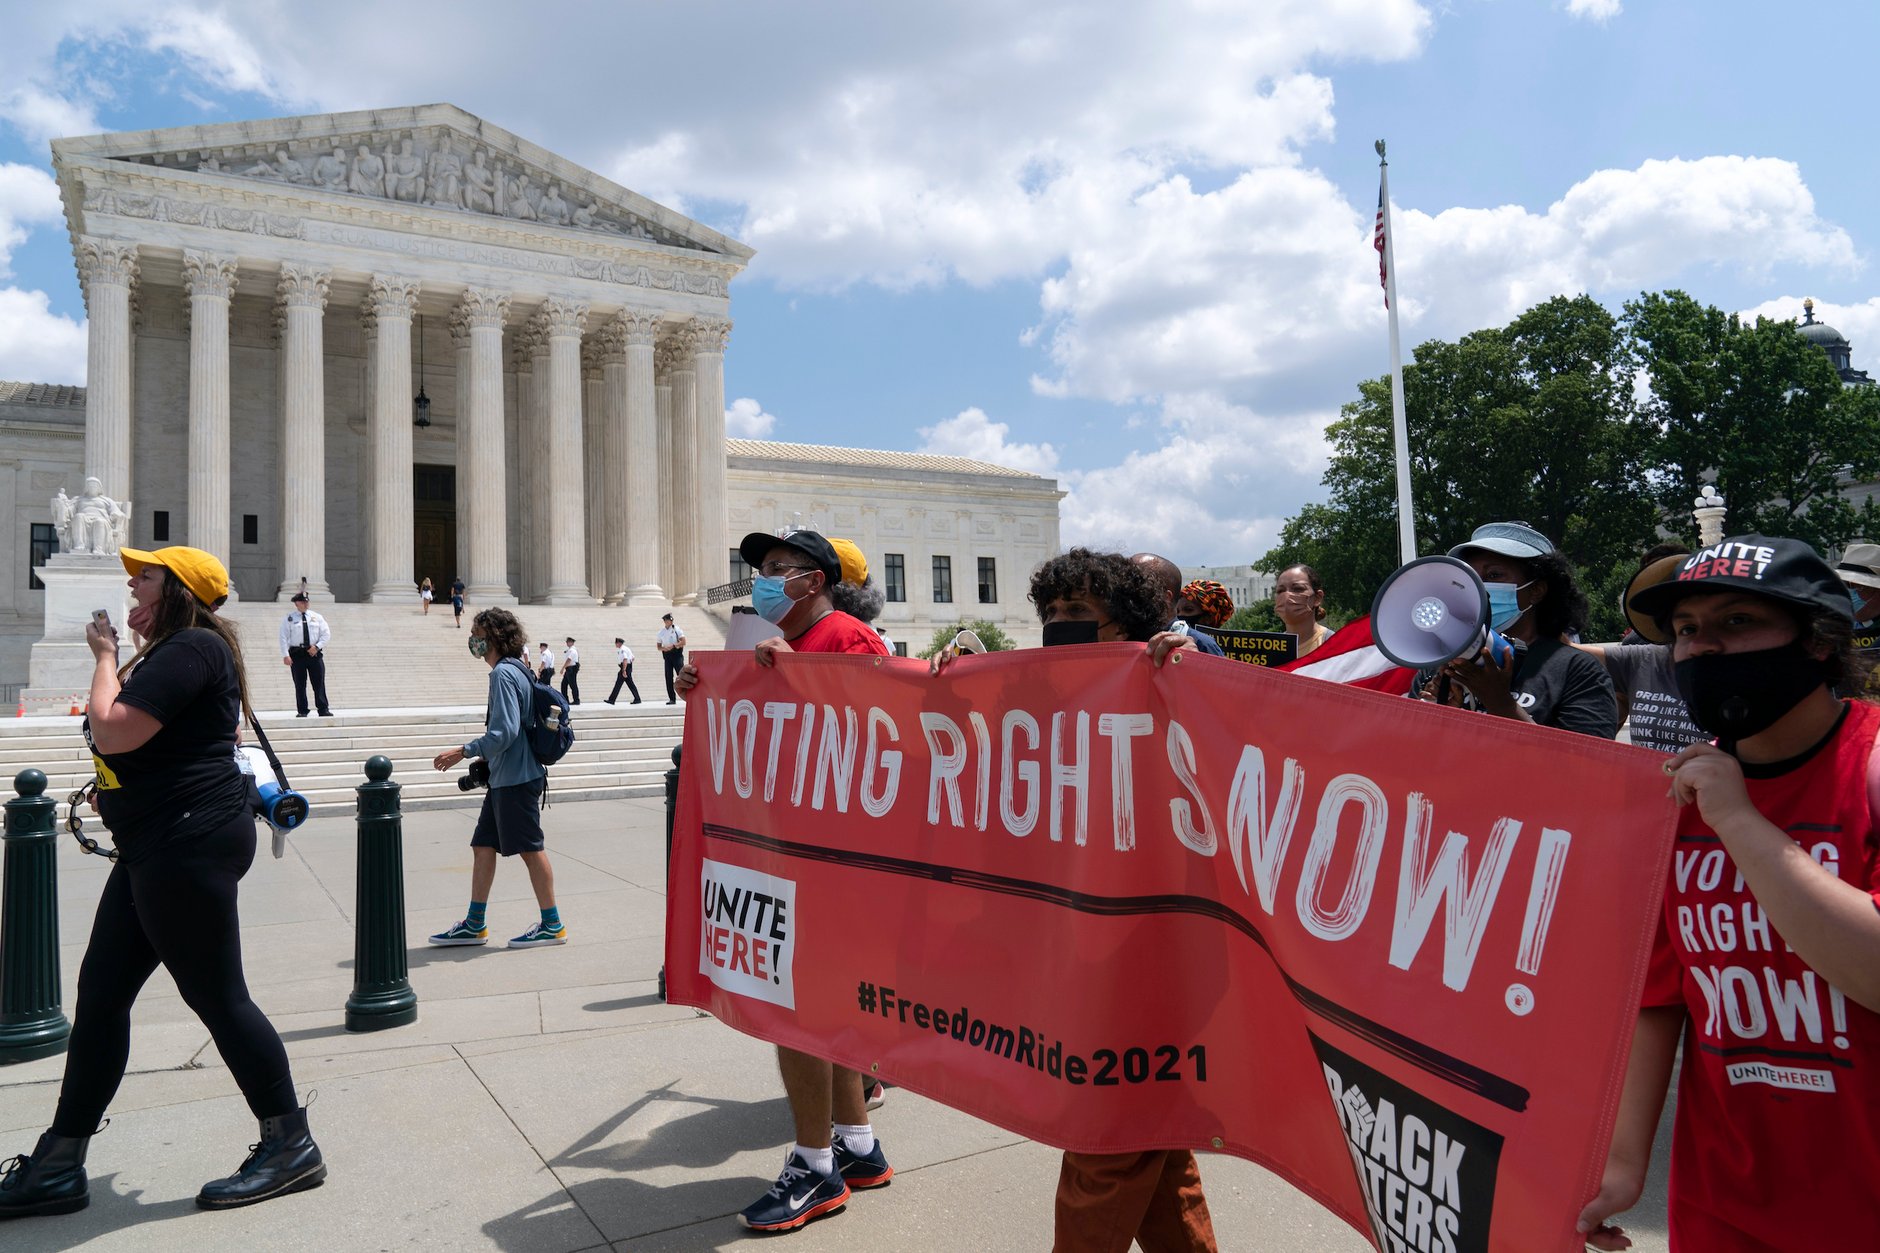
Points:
(1432, 611)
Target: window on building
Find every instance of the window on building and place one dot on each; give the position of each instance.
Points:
(943, 580)
(740, 571)
(251, 528)
(160, 525)
(988, 581)
(900, 649)
(45, 542)
(896, 576)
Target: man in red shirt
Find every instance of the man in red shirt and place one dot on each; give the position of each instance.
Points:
(835, 1147)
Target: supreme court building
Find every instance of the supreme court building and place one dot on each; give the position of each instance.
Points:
(269, 300)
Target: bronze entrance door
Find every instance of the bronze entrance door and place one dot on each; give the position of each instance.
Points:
(434, 528)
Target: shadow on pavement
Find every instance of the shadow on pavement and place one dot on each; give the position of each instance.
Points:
(625, 1002)
(110, 1211)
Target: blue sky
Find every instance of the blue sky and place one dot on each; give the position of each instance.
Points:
(1125, 245)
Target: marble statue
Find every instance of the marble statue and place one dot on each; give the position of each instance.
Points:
(330, 172)
(93, 523)
(520, 204)
(209, 165)
(444, 176)
(554, 210)
(284, 168)
(368, 174)
(479, 185)
(404, 175)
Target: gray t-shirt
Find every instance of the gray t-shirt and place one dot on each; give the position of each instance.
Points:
(1643, 672)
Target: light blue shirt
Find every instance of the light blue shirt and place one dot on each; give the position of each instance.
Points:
(502, 743)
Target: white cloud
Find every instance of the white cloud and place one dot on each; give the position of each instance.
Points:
(746, 419)
(40, 115)
(970, 433)
(28, 198)
(1860, 323)
(1601, 11)
(39, 346)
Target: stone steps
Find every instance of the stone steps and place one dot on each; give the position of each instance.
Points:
(618, 751)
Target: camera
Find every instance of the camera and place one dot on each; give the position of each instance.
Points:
(477, 776)
(275, 803)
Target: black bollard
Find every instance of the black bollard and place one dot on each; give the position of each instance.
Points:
(672, 808)
(382, 995)
(31, 1023)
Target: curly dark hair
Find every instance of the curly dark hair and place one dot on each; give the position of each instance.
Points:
(1563, 609)
(502, 630)
(1134, 600)
(859, 600)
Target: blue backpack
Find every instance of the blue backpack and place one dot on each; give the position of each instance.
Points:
(547, 721)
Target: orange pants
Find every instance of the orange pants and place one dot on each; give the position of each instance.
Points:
(1105, 1200)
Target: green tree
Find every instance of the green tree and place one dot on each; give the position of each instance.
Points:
(995, 640)
(1259, 616)
(1532, 422)
(1760, 410)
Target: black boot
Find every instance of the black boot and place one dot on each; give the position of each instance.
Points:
(49, 1180)
(286, 1160)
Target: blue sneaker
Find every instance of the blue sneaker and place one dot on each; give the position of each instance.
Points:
(540, 934)
(800, 1195)
(462, 933)
(862, 1170)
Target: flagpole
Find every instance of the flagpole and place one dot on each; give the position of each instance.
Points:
(1406, 520)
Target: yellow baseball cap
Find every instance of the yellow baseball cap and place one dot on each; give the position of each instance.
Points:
(200, 572)
(854, 565)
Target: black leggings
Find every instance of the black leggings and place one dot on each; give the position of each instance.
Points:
(176, 907)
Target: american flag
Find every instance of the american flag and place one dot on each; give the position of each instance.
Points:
(1352, 656)
(1377, 242)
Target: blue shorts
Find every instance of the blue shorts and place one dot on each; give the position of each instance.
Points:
(511, 820)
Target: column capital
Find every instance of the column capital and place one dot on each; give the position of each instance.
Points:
(708, 334)
(459, 327)
(592, 357)
(532, 339)
(302, 286)
(639, 327)
(391, 296)
(681, 355)
(208, 274)
(106, 261)
(483, 308)
(663, 356)
(562, 315)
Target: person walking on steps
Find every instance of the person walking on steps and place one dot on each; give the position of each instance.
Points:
(571, 673)
(162, 732)
(510, 824)
(424, 596)
(456, 600)
(625, 656)
(671, 641)
(545, 665)
(304, 636)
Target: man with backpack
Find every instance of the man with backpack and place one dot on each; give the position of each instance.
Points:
(511, 766)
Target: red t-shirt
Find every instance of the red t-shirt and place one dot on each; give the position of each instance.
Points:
(838, 632)
(1777, 1141)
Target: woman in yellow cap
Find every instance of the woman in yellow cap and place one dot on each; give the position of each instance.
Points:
(162, 732)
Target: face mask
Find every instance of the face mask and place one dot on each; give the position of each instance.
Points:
(1504, 603)
(772, 603)
(479, 647)
(1082, 632)
(1736, 695)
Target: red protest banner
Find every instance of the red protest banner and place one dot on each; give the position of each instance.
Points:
(1390, 951)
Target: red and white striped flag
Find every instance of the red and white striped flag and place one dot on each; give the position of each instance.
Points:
(1351, 656)
(1377, 242)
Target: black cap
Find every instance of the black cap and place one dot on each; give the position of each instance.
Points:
(821, 552)
(665, 617)
(300, 598)
(1781, 569)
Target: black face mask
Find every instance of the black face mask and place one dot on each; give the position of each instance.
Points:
(1736, 695)
(1056, 633)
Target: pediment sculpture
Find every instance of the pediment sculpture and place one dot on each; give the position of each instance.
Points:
(436, 169)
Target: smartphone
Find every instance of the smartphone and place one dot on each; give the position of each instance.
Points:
(101, 618)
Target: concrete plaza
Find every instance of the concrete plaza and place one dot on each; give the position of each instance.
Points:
(546, 1101)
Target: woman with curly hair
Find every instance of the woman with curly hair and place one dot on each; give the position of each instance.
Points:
(1533, 600)
(1205, 603)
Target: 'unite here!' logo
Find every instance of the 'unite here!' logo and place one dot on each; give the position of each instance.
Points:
(747, 941)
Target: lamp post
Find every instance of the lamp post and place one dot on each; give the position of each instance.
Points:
(1708, 511)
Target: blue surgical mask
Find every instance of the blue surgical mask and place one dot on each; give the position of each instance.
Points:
(1504, 603)
(772, 603)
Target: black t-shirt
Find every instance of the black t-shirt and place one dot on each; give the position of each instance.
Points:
(1559, 686)
(182, 781)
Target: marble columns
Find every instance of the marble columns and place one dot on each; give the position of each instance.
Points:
(613, 339)
(389, 303)
(563, 319)
(460, 343)
(594, 464)
(662, 422)
(640, 563)
(301, 293)
(480, 447)
(108, 269)
(532, 446)
(708, 352)
(210, 282)
(683, 471)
